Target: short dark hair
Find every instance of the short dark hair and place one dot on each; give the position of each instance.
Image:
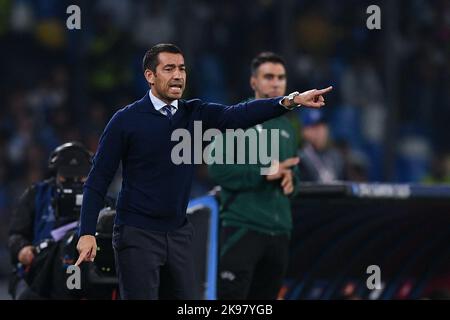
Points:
(150, 60)
(264, 57)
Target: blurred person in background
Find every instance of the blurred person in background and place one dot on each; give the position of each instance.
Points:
(319, 160)
(44, 207)
(255, 210)
(356, 163)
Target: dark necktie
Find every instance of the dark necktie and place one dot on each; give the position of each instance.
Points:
(168, 111)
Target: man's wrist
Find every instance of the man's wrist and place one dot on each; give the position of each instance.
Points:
(288, 101)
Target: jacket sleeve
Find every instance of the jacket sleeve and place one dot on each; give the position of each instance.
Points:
(105, 164)
(242, 115)
(236, 176)
(21, 225)
(233, 176)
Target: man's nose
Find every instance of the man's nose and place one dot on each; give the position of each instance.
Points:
(177, 75)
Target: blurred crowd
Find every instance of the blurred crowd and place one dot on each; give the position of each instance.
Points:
(387, 117)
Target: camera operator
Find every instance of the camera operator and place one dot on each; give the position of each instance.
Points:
(44, 207)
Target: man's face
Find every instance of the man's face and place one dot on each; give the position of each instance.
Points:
(169, 80)
(269, 80)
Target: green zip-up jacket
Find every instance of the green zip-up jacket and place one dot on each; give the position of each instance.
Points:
(251, 201)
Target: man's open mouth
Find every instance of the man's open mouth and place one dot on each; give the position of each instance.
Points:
(176, 88)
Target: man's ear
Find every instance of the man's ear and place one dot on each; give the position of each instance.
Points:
(253, 83)
(149, 76)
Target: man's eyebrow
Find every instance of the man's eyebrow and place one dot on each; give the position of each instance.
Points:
(269, 74)
(172, 65)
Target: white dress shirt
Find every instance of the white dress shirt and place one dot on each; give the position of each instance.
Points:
(159, 104)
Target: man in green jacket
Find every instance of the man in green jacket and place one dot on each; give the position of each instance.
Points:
(255, 209)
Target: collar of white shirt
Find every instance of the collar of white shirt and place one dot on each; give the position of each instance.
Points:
(159, 104)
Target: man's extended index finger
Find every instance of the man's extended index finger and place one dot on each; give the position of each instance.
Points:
(290, 162)
(80, 259)
(326, 90)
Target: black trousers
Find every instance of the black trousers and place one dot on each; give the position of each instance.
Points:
(252, 265)
(154, 265)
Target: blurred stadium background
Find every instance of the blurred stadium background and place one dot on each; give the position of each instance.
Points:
(388, 114)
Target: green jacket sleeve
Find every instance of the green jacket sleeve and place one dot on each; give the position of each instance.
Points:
(233, 176)
(236, 176)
